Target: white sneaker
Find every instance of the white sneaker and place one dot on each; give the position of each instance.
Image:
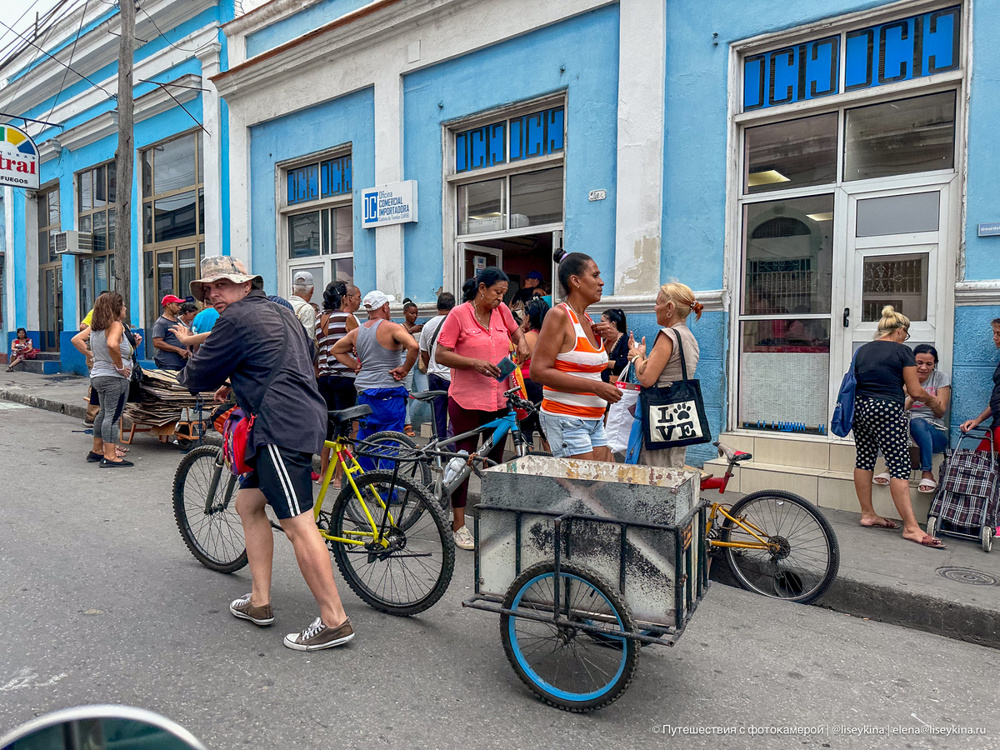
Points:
(463, 539)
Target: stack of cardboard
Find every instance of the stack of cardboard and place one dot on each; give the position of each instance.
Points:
(164, 401)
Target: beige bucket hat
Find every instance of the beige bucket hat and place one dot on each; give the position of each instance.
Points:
(217, 267)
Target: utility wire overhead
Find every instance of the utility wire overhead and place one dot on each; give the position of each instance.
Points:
(180, 49)
(42, 28)
(72, 52)
(53, 57)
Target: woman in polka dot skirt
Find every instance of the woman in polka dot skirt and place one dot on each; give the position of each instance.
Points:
(882, 368)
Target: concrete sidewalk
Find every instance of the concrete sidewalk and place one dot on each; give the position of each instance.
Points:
(953, 592)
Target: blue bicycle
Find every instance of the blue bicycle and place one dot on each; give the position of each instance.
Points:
(437, 466)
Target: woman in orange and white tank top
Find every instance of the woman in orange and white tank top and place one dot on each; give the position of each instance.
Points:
(568, 360)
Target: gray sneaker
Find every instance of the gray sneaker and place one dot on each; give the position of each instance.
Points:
(243, 609)
(318, 636)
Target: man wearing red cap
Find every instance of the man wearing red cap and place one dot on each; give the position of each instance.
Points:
(170, 354)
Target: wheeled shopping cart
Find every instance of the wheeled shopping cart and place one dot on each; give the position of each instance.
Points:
(968, 492)
(585, 562)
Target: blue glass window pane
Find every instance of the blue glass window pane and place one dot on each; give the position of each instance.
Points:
(461, 155)
(348, 168)
(291, 186)
(312, 177)
(498, 143)
(554, 130)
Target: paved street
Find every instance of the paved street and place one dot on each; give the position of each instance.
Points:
(103, 604)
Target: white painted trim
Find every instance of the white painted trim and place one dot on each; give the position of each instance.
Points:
(358, 55)
(148, 69)
(98, 48)
(977, 293)
(639, 172)
(211, 150)
(389, 260)
(146, 106)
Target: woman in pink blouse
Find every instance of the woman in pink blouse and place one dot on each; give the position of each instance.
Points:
(21, 348)
(474, 338)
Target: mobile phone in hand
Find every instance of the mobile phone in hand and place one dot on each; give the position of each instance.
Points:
(506, 367)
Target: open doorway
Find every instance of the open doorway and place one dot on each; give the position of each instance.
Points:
(516, 256)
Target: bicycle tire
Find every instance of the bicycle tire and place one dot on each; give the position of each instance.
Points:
(416, 574)
(580, 672)
(417, 470)
(807, 562)
(215, 539)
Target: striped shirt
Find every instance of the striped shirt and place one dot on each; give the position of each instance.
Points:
(336, 329)
(585, 361)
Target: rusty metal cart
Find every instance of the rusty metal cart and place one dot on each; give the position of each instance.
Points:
(585, 562)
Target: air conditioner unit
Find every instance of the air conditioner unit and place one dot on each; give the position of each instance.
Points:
(74, 243)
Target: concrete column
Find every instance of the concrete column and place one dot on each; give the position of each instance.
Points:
(10, 314)
(641, 89)
(239, 186)
(212, 148)
(388, 168)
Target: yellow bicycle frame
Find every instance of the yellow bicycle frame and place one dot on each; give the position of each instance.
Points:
(746, 526)
(346, 459)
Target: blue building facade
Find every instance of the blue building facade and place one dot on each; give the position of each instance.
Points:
(180, 158)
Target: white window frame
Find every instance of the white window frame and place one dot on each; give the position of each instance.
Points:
(452, 241)
(957, 80)
(287, 266)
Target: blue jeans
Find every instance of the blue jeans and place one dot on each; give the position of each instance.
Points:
(929, 439)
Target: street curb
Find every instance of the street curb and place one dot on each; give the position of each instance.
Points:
(70, 410)
(907, 609)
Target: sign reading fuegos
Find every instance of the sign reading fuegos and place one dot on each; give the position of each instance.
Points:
(395, 203)
(18, 159)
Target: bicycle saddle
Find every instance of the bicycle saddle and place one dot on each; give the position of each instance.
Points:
(427, 395)
(349, 415)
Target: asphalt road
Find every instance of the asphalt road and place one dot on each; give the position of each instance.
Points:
(102, 603)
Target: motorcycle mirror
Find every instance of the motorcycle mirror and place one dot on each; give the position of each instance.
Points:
(100, 728)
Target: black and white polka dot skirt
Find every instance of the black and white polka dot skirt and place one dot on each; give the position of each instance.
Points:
(881, 426)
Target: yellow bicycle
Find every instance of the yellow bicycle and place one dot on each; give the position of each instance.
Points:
(390, 541)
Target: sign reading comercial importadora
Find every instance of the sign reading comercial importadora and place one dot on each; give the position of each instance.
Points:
(395, 203)
(18, 159)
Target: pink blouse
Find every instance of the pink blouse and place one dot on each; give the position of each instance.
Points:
(466, 335)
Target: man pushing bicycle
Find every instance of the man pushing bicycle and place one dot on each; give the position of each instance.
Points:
(264, 353)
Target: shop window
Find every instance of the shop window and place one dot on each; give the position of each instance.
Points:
(897, 280)
(533, 198)
(899, 214)
(173, 218)
(510, 140)
(319, 238)
(900, 137)
(95, 189)
(50, 310)
(791, 154)
(785, 315)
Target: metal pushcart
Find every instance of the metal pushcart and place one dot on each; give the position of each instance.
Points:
(968, 493)
(585, 562)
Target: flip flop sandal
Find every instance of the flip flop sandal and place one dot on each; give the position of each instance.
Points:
(929, 541)
(881, 479)
(885, 523)
(927, 486)
(408, 431)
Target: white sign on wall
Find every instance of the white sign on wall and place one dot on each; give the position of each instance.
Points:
(18, 159)
(395, 203)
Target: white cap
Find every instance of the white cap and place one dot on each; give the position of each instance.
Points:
(303, 278)
(375, 300)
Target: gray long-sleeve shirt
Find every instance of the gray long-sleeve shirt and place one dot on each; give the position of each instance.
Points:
(244, 347)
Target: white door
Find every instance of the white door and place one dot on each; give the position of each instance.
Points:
(897, 254)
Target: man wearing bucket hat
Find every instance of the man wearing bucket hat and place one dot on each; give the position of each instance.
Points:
(380, 367)
(170, 354)
(263, 351)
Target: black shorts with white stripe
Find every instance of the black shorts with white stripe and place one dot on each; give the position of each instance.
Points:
(285, 478)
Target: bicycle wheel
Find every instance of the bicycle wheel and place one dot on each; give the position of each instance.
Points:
(215, 535)
(389, 443)
(806, 558)
(412, 569)
(564, 666)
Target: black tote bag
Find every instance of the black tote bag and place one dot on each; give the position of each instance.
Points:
(674, 416)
